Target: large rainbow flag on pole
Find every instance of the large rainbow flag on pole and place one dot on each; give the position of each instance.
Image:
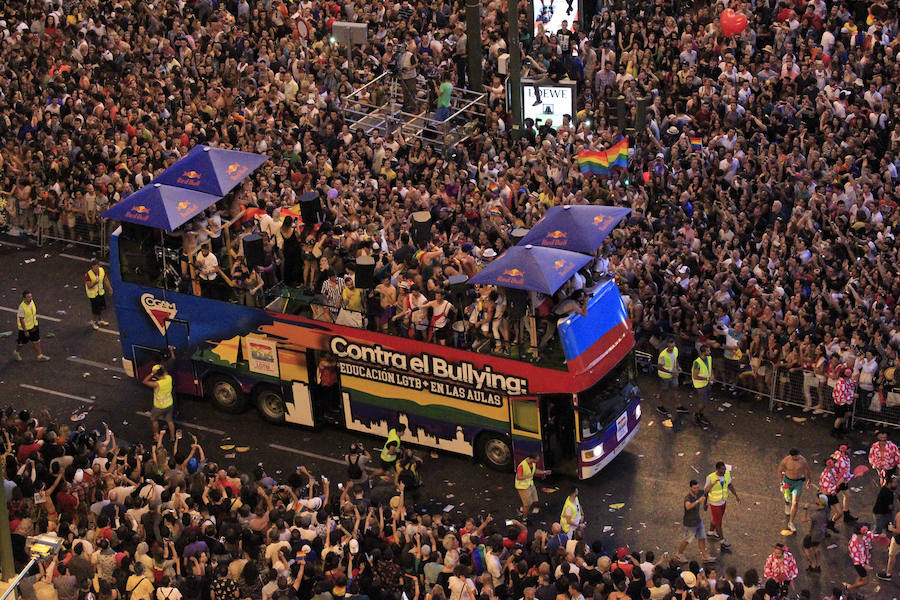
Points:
(600, 162)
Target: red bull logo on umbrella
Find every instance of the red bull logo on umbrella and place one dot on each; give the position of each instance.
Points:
(514, 276)
(561, 266)
(599, 220)
(236, 171)
(556, 238)
(138, 213)
(191, 178)
(185, 208)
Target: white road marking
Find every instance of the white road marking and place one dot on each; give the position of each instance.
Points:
(16, 311)
(311, 455)
(93, 363)
(146, 413)
(55, 393)
(55, 319)
(14, 245)
(81, 258)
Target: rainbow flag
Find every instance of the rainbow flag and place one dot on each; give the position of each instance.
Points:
(593, 162)
(617, 154)
(697, 143)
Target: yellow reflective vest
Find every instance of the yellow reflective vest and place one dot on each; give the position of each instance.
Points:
(29, 315)
(392, 437)
(705, 368)
(528, 470)
(718, 492)
(668, 360)
(162, 393)
(570, 507)
(94, 286)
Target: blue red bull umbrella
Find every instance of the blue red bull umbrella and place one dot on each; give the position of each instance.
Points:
(211, 170)
(532, 268)
(575, 228)
(160, 206)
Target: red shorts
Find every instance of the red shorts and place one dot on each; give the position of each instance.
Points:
(717, 513)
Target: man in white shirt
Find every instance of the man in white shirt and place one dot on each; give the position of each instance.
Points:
(208, 268)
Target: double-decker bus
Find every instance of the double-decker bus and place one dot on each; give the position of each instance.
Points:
(577, 411)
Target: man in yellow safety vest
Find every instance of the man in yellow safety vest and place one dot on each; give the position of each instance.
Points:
(96, 285)
(667, 368)
(163, 399)
(701, 377)
(572, 517)
(525, 473)
(27, 321)
(718, 484)
(390, 452)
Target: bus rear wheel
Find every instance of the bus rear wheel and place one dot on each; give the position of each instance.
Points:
(270, 403)
(225, 394)
(496, 452)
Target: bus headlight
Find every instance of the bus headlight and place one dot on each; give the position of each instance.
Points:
(637, 412)
(595, 452)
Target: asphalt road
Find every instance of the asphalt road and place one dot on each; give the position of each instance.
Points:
(649, 478)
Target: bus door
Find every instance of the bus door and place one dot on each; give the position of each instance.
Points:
(143, 359)
(325, 388)
(525, 427)
(558, 427)
(178, 336)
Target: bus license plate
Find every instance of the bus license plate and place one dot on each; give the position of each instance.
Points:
(622, 427)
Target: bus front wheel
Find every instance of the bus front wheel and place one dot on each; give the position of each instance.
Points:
(270, 403)
(495, 451)
(225, 394)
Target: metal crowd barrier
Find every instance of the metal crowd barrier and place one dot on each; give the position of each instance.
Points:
(880, 407)
(800, 388)
(730, 378)
(69, 228)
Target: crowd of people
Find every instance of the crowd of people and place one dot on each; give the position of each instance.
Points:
(763, 196)
(763, 188)
(165, 521)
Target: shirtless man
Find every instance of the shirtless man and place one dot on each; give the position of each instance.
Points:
(795, 473)
(387, 296)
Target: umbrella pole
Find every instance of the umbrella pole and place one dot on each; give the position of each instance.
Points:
(165, 281)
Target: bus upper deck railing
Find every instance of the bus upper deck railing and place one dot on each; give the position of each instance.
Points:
(509, 340)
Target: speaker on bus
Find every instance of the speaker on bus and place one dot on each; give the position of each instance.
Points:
(365, 273)
(310, 208)
(620, 114)
(421, 226)
(254, 254)
(640, 119)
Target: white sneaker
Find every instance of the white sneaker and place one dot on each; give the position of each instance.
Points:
(104, 323)
(725, 544)
(95, 325)
(819, 411)
(17, 355)
(680, 558)
(791, 526)
(43, 357)
(807, 409)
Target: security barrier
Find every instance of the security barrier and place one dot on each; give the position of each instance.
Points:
(730, 378)
(880, 407)
(801, 388)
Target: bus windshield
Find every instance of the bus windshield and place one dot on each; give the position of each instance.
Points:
(607, 399)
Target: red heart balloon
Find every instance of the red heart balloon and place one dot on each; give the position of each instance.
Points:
(732, 23)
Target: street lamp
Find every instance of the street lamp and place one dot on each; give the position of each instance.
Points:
(38, 547)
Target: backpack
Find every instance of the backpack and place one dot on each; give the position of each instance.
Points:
(158, 574)
(354, 471)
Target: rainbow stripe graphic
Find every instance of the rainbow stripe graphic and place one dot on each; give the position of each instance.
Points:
(697, 143)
